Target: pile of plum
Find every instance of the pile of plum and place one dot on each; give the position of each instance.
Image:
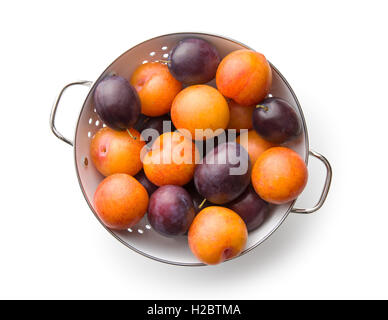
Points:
(200, 161)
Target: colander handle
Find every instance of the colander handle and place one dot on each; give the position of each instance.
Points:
(55, 107)
(326, 187)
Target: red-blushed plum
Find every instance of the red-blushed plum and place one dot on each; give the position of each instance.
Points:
(171, 160)
(117, 102)
(224, 173)
(244, 76)
(116, 151)
(279, 175)
(156, 87)
(251, 208)
(120, 201)
(171, 210)
(217, 234)
(276, 121)
(200, 107)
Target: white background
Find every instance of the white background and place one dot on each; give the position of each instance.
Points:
(333, 53)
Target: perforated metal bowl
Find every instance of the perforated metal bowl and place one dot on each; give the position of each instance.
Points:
(142, 238)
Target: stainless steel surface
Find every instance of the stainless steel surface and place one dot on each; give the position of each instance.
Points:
(55, 107)
(325, 189)
(142, 239)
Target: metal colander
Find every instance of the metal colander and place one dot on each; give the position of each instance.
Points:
(142, 238)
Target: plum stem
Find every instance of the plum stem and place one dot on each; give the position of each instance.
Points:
(263, 107)
(165, 61)
(130, 134)
(202, 203)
